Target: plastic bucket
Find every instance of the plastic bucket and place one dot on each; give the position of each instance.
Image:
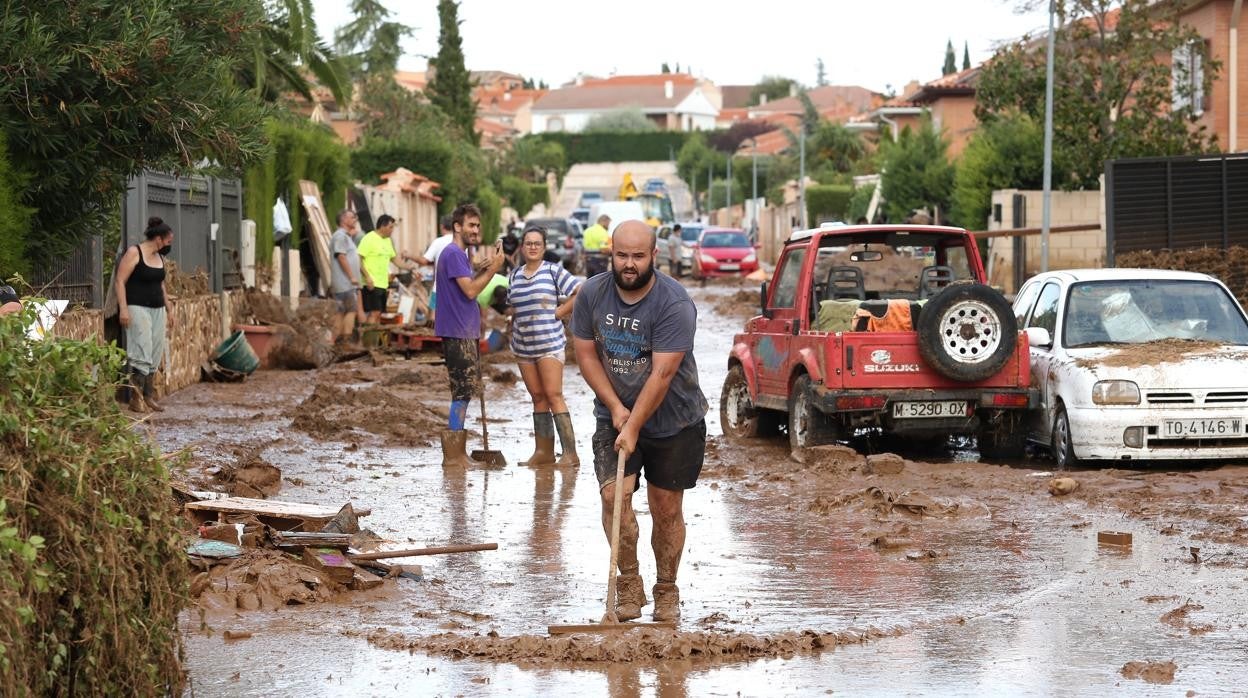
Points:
(236, 354)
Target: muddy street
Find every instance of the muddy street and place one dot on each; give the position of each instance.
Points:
(926, 572)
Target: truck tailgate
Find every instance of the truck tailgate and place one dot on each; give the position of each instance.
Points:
(873, 360)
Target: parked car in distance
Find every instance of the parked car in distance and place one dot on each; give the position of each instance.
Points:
(680, 248)
(655, 185)
(581, 215)
(589, 198)
(618, 211)
(563, 237)
(723, 252)
(1136, 364)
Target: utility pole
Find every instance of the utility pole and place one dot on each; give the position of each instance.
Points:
(728, 189)
(693, 184)
(754, 183)
(1046, 206)
(710, 189)
(801, 177)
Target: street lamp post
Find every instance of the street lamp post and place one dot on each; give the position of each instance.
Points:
(801, 177)
(1045, 208)
(728, 189)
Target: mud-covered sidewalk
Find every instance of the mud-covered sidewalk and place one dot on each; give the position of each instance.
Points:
(919, 573)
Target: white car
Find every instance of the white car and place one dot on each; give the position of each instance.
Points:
(1136, 364)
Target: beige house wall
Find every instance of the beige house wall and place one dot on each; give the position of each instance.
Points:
(1074, 250)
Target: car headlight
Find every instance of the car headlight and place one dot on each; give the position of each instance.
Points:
(706, 259)
(1115, 393)
(748, 258)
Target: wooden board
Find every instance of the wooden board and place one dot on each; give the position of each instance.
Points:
(332, 563)
(318, 221)
(314, 515)
(364, 579)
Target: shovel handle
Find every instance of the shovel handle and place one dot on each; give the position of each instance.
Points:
(485, 433)
(615, 533)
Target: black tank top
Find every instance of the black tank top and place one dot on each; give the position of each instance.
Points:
(143, 286)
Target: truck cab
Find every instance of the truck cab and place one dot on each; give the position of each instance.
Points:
(885, 327)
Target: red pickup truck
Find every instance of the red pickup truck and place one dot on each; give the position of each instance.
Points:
(886, 327)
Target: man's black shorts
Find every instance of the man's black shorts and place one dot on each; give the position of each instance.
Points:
(461, 366)
(670, 463)
(374, 299)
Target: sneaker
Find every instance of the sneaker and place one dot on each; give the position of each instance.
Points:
(630, 596)
(666, 602)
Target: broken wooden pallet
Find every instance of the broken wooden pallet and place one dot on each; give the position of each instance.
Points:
(283, 516)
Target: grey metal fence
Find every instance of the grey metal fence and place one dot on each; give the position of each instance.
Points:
(78, 278)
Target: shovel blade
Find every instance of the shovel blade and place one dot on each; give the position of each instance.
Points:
(489, 457)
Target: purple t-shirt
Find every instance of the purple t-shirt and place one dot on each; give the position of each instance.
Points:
(457, 315)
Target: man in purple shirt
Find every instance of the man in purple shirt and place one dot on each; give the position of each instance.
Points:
(458, 323)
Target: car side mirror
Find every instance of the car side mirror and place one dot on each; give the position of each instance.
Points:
(762, 300)
(1039, 337)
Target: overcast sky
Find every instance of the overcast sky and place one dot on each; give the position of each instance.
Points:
(862, 42)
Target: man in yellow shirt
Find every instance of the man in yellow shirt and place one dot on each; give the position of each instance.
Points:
(376, 250)
(597, 243)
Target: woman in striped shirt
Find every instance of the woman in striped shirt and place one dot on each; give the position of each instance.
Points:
(541, 296)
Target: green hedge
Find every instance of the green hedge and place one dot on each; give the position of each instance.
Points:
(617, 147)
(15, 220)
(301, 150)
(827, 201)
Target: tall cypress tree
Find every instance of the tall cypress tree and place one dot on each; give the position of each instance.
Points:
(451, 86)
(966, 56)
(951, 61)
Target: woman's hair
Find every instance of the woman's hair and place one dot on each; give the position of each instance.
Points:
(156, 228)
(533, 228)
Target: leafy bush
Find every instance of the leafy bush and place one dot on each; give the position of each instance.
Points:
(616, 147)
(859, 202)
(917, 174)
(92, 572)
(626, 120)
(1006, 153)
(14, 220)
(827, 202)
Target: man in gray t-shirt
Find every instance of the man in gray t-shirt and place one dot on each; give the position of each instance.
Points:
(633, 333)
(344, 276)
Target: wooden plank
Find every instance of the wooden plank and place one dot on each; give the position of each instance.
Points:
(443, 550)
(364, 579)
(271, 508)
(299, 539)
(314, 207)
(608, 627)
(333, 563)
(1023, 232)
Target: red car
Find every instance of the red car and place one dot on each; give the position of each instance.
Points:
(723, 252)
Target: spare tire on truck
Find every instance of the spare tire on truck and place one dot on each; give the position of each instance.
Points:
(967, 332)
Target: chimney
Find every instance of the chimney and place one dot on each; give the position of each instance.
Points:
(667, 89)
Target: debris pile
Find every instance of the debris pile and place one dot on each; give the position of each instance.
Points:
(333, 412)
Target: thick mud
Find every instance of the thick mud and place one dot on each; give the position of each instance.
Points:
(802, 573)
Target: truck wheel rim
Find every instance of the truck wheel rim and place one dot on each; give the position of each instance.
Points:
(801, 421)
(738, 405)
(970, 332)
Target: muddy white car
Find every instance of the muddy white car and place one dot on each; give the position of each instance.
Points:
(1136, 364)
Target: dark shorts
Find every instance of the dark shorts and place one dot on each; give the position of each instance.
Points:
(374, 299)
(346, 300)
(461, 366)
(670, 463)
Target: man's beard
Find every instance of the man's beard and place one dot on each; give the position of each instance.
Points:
(643, 277)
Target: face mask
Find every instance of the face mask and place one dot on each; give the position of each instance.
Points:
(164, 251)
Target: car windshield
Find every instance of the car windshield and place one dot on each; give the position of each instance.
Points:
(657, 207)
(690, 233)
(553, 226)
(910, 267)
(725, 240)
(1148, 310)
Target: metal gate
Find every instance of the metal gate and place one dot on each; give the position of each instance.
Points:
(1175, 203)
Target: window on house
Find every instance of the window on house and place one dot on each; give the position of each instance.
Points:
(1187, 77)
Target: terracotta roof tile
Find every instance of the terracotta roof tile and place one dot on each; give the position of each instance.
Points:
(847, 99)
(597, 97)
(659, 79)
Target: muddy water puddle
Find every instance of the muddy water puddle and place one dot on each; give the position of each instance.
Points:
(1010, 594)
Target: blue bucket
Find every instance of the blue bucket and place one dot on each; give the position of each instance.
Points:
(236, 354)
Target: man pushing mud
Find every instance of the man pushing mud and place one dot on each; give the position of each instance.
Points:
(634, 343)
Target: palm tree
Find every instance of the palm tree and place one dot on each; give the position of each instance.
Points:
(288, 50)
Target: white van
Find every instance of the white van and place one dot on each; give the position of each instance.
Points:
(619, 211)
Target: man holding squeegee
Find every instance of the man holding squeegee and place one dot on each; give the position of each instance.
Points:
(633, 333)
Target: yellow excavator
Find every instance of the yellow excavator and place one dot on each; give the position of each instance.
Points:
(655, 202)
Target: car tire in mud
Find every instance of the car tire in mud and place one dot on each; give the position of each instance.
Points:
(738, 417)
(1062, 446)
(967, 332)
(807, 425)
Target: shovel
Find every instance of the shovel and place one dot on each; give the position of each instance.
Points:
(485, 455)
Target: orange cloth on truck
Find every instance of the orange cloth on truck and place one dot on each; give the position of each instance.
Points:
(896, 318)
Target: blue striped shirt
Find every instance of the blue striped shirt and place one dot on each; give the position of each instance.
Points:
(535, 331)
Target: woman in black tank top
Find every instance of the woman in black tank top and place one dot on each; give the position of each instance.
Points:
(140, 285)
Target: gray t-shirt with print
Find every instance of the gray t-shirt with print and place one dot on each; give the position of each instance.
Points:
(627, 336)
(341, 243)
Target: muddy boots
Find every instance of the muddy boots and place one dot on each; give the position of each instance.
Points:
(543, 439)
(135, 389)
(149, 393)
(454, 445)
(666, 602)
(630, 596)
(567, 439)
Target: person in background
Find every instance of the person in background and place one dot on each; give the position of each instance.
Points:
(345, 276)
(10, 302)
(535, 293)
(596, 242)
(458, 323)
(141, 303)
(430, 257)
(376, 252)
